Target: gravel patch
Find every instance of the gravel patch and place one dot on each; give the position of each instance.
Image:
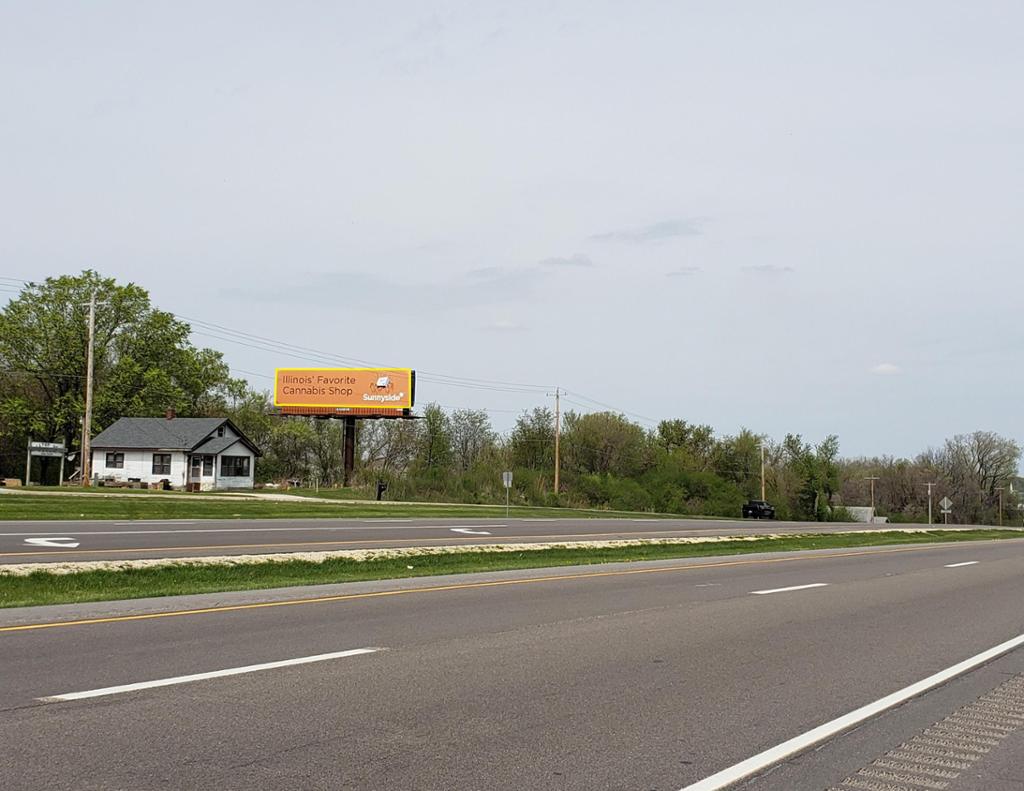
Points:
(358, 555)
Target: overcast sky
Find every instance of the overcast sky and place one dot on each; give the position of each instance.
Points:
(794, 216)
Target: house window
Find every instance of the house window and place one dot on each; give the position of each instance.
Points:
(115, 461)
(161, 463)
(234, 466)
(207, 466)
(220, 431)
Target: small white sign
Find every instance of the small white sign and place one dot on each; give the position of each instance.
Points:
(945, 503)
(506, 478)
(47, 446)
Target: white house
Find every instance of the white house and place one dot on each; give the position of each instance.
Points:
(188, 452)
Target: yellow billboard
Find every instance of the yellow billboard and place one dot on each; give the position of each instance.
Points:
(380, 388)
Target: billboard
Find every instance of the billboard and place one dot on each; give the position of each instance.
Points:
(348, 388)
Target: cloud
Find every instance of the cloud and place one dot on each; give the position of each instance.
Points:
(577, 260)
(684, 271)
(768, 269)
(388, 295)
(504, 325)
(666, 229)
(886, 369)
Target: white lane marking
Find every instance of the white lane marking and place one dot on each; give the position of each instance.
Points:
(161, 522)
(793, 588)
(792, 746)
(469, 532)
(537, 519)
(52, 542)
(232, 671)
(235, 530)
(965, 563)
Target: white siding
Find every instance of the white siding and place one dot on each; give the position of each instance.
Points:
(233, 482)
(138, 464)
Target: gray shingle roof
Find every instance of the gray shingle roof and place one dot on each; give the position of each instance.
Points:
(180, 433)
(216, 445)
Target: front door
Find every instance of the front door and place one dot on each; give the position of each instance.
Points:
(195, 468)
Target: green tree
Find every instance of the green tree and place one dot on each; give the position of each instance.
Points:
(605, 443)
(435, 440)
(532, 441)
(144, 362)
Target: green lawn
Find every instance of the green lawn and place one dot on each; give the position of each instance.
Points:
(43, 587)
(95, 506)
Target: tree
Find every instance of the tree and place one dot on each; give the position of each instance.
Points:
(974, 467)
(144, 361)
(435, 440)
(604, 443)
(532, 441)
(695, 443)
(472, 436)
(389, 446)
(817, 470)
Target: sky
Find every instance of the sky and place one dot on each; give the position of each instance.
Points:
(792, 217)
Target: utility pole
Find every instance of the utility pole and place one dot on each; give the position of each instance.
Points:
(1000, 490)
(87, 422)
(558, 434)
(929, 485)
(872, 478)
(762, 473)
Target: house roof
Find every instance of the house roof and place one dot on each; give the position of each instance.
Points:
(180, 433)
(216, 445)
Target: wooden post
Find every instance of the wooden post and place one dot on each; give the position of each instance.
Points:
(87, 422)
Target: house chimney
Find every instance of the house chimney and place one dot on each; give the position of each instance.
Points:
(169, 414)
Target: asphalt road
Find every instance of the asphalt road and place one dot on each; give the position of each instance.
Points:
(632, 676)
(29, 541)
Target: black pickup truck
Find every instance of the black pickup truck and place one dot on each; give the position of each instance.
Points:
(758, 509)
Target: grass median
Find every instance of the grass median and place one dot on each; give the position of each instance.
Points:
(44, 587)
(183, 506)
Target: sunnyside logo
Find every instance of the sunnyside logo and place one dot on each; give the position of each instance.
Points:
(383, 398)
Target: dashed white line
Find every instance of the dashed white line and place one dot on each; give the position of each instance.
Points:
(792, 588)
(232, 671)
(234, 530)
(965, 563)
(780, 752)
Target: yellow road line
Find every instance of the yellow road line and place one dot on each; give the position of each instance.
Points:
(495, 539)
(467, 586)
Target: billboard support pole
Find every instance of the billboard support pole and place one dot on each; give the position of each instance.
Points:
(350, 450)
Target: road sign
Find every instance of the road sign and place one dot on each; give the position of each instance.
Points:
(506, 478)
(945, 503)
(52, 449)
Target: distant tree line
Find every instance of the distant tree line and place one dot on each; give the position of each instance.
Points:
(145, 364)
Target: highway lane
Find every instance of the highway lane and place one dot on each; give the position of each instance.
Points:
(31, 542)
(633, 676)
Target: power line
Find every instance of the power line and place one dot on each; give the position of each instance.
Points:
(646, 419)
(440, 378)
(261, 343)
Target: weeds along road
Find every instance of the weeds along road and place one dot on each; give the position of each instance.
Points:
(37, 541)
(635, 676)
